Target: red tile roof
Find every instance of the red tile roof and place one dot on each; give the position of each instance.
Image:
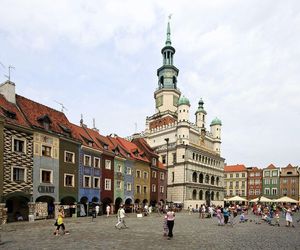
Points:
(235, 168)
(12, 109)
(33, 111)
(133, 148)
(289, 166)
(118, 146)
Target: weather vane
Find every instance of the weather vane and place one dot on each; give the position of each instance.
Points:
(10, 67)
(62, 106)
(170, 16)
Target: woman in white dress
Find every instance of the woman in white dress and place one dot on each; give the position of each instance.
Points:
(289, 218)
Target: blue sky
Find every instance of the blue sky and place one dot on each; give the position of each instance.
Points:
(99, 58)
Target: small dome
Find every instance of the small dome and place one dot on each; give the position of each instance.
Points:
(183, 101)
(200, 107)
(216, 121)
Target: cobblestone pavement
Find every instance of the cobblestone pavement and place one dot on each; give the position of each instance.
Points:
(190, 232)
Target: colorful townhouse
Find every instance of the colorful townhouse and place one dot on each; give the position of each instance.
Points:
(158, 176)
(89, 166)
(235, 180)
(289, 182)
(141, 172)
(254, 182)
(16, 156)
(271, 182)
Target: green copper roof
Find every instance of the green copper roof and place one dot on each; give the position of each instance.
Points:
(216, 121)
(168, 41)
(200, 107)
(183, 101)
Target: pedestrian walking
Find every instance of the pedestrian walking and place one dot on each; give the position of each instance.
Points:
(170, 222)
(225, 214)
(97, 209)
(277, 218)
(289, 218)
(60, 222)
(121, 218)
(107, 210)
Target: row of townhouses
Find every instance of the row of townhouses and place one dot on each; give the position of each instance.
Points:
(46, 159)
(271, 182)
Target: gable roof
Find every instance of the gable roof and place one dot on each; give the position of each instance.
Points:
(36, 112)
(271, 166)
(118, 146)
(11, 113)
(235, 168)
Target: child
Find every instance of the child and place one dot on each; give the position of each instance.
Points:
(165, 226)
(277, 217)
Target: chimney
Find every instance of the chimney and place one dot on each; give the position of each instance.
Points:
(8, 90)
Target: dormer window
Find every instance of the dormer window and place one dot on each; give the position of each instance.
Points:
(45, 121)
(9, 114)
(105, 146)
(65, 129)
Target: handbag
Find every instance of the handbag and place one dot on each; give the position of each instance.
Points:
(56, 224)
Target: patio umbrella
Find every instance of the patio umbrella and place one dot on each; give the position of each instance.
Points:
(286, 199)
(237, 198)
(261, 199)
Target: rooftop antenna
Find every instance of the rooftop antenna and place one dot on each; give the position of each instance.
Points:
(62, 106)
(135, 127)
(10, 67)
(94, 123)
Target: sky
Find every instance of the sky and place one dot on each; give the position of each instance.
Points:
(99, 59)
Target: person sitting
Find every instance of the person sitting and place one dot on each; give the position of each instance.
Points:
(243, 218)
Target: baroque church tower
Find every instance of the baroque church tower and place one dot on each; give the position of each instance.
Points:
(190, 152)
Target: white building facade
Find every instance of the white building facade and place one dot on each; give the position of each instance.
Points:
(190, 151)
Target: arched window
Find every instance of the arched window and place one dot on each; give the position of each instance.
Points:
(212, 180)
(212, 195)
(207, 179)
(201, 195)
(194, 194)
(194, 178)
(217, 181)
(201, 178)
(217, 195)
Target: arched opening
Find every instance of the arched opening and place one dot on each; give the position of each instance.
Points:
(145, 201)
(106, 201)
(153, 203)
(118, 202)
(95, 199)
(217, 181)
(69, 208)
(17, 207)
(50, 202)
(217, 196)
(194, 177)
(200, 195)
(128, 205)
(212, 195)
(207, 179)
(212, 180)
(200, 178)
(194, 194)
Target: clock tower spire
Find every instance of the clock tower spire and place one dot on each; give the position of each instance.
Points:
(167, 94)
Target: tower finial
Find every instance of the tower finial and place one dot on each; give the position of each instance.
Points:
(168, 41)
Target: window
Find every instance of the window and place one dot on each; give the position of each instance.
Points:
(257, 182)
(162, 176)
(284, 191)
(237, 192)
(173, 176)
(243, 192)
(174, 158)
(154, 161)
(161, 189)
(231, 192)
(267, 173)
(87, 160)
(107, 164)
(251, 191)
(69, 180)
(236, 184)
(18, 145)
(86, 181)
(237, 175)
(293, 192)
(154, 174)
(128, 186)
(163, 159)
(128, 170)
(46, 176)
(107, 184)
(231, 175)
(243, 184)
(145, 189)
(138, 189)
(118, 184)
(153, 188)
(257, 174)
(293, 180)
(274, 191)
(119, 168)
(251, 182)
(96, 182)
(243, 174)
(257, 191)
(251, 174)
(69, 157)
(46, 151)
(145, 175)
(96, 162)
(231, 184)
(225, 175)
(138, 173)
(274, 181)
(18, 174)
(274, 173)
(267, 181)
(267, 190)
